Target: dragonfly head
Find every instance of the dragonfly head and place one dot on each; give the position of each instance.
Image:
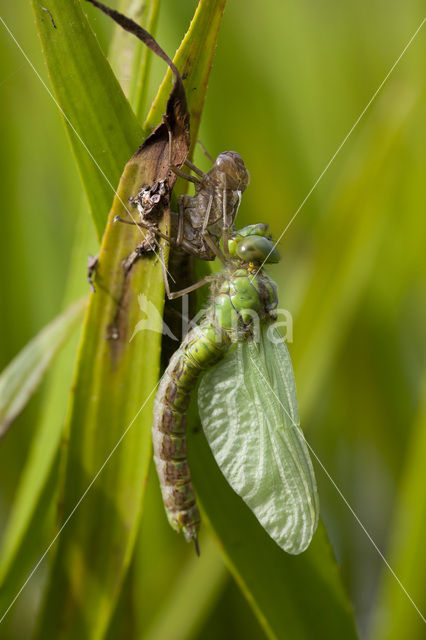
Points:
(231, 172)
(253, 244)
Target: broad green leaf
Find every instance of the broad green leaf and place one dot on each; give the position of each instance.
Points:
(110, 440)
(109, 446)
(198, 47)
(27, 533)
(30, 527)
(22, 376)
(102, 127)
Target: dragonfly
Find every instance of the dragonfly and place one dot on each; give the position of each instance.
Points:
(247, 403)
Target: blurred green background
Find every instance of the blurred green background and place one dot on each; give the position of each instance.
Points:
(289, 81)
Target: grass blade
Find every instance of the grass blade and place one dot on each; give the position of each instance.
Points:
(31, 523)
(22, 376)
(92, 100)
(110, 440)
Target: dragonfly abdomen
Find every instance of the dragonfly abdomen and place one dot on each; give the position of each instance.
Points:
(197, 353)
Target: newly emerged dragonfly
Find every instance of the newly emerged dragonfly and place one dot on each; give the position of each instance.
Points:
(247, 403)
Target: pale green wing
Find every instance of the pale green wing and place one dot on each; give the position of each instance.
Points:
(248, 409)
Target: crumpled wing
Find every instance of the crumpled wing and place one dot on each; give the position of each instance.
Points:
(248, 409)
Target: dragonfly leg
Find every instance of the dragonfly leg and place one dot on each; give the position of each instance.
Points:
(181, 222)
(184, 175)
(225, 225)
(195, 169)
(172, 295)
(212, 245)
(206, 235)
(154, 230)
(206, 153)
(207, 214)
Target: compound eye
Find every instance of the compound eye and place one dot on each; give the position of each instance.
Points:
(257, 249)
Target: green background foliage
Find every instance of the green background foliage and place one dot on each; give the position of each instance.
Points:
(288, 82)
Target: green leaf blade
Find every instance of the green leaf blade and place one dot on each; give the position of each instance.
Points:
(110, 418)
(103, 129)
(109, 447)
(22, 376)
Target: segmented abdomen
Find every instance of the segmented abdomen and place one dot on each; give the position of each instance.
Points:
(197, 352)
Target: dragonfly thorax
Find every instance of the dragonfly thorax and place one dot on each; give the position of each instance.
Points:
(242, 300)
